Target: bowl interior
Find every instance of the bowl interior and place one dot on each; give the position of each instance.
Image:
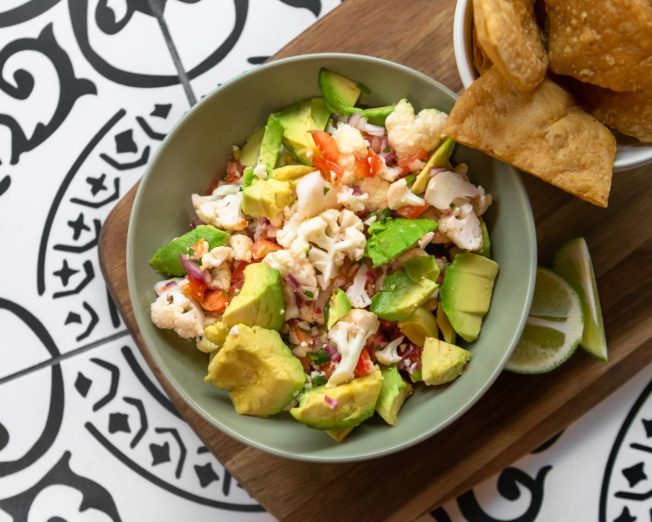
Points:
(197, 150)
(630, 154)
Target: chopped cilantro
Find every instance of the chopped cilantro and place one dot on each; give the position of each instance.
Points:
(387, 148)
(318, 380)
(409, 179)
(326, 190)
(318, 357)
(308, 293)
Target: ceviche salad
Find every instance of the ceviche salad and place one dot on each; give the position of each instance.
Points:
(335, 264)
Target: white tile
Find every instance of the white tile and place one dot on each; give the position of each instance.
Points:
(162, 472)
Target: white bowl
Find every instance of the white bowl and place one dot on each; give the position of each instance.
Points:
(630, 153)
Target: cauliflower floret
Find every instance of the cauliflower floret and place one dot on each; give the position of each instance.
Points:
(349, 142)
(462, 227)
(217, 263)
(314, 195)
(399, 195)
(357, 293)
(350, 335)
(223, 208)
(173, 310)
(220, 277)
(376, 188)
(354, 202)
(216, 257)
(332, 236)
(292, 262)
(391, 173)
(408, 133)
(482, 202)
(389, 354)
(241, 247)
(445, 187)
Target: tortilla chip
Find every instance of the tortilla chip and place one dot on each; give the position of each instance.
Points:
(627, 112)
(603, 42)
(542, 132)
(509, 36)
(481, 61)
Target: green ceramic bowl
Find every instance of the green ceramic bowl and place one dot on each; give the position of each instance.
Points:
(197, 149)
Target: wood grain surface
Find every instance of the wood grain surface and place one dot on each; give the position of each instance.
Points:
(518, 413)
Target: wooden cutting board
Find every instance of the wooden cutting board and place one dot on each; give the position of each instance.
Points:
(518, 413)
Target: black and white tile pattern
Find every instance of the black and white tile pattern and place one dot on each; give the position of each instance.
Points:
(88, 89)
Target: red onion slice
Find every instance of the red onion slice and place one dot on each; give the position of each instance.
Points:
(192, 268)
(330, 402)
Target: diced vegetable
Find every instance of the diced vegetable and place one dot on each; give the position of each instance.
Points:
(166, 258)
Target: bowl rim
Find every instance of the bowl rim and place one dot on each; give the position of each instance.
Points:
(529, 241)
(462, 48)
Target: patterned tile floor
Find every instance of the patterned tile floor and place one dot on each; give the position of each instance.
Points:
(89, 88)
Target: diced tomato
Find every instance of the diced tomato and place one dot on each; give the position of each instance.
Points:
(327, 145)
(405, 162)
(361, 168)
(376, 164)
(215, 301)
(237, 277)
(262, 247)
(306, 363)
(195, 289)
(328, 368)
(300, 335)
(412, 211)
(326, 167)
(233, 171)
(364, 365)
(212, 186)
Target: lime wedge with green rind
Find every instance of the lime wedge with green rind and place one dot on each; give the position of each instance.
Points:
(553, 329)
(573, 263)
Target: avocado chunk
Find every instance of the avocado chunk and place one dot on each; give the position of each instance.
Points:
(291, 172)
(391, 237)
(442, 362)
(445, 326)
(342, 94)
(339, 407)
(338, 306)
(419, 325)
(486, 240)
(466, 292)
(213, 338)
(339, 435)
(166, 258)
(258, 369)
(393, 393)
(266, 197)
(401, 294)
(260, 301)
(422, 267)
(251, 149)
(439, 158)
(298, 121)
(271, 143)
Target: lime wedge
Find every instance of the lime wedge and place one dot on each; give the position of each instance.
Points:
(573, 263)
(553, 329)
